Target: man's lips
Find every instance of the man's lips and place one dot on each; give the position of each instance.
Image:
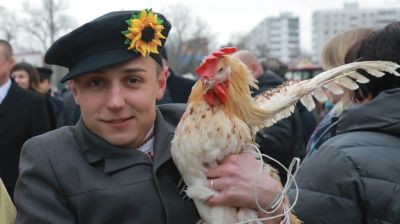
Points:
(116, 120)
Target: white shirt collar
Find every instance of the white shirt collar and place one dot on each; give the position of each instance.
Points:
(147, 147)
(4, 90)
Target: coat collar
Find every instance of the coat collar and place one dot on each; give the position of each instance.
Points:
(116, 158)
(163, 135)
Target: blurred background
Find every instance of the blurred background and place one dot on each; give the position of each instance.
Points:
(286, 34)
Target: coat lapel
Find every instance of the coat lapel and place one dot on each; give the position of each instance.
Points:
(115, 158)
(167, 176)
(163, 135)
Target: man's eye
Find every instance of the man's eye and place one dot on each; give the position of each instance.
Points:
(132, 80)
(95, 83)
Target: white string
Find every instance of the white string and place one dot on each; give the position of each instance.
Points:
(277, 202)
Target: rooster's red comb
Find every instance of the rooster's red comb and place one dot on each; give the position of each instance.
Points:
(213, 57)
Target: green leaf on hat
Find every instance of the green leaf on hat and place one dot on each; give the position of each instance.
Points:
(160, 21)
(125, 32)
(128, 21)
(127, 41)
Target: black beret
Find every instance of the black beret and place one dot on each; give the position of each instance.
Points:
(44, 73)
(164, 54)
(99, 44)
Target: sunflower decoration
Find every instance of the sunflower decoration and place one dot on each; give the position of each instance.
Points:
(144, 32)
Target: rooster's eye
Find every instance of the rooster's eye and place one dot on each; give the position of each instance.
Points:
(220, 70)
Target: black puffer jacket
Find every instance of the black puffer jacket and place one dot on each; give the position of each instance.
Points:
(354, 177)
(283, 140)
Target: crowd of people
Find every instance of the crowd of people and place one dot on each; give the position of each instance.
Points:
(101, 152)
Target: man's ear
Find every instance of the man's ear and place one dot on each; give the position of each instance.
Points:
(11, 63)
(74, 91)
(257, 69)
(162, 83)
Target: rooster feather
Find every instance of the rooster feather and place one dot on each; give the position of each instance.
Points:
(221, 117)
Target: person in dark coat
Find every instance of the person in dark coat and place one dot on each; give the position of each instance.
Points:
(28, 77)
(178, 88)
(332, 55)
(23, 114)
(283, 141)
(114, 165)
(354, 177)
(279, 69)
(71, 113)
(55, 104)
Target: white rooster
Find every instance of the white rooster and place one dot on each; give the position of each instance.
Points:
(221, 117)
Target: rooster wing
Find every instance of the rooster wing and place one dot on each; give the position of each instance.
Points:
(281, 101)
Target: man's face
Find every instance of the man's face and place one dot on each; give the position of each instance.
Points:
(44, 86)
(118, 103)
(6, 64)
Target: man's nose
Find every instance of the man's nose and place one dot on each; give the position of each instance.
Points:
(116, 98)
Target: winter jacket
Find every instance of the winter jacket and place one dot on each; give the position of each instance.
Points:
(354, 177)
(283, 140)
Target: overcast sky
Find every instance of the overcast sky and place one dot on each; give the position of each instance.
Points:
(225, 17)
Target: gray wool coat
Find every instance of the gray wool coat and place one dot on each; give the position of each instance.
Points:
(72, 176)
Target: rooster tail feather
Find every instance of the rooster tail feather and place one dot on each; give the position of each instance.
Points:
(280, 101)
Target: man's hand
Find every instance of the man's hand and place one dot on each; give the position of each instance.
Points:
(235, 177)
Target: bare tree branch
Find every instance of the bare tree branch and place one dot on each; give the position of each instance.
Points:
(48, 22)
(9, 25)
(189, 38)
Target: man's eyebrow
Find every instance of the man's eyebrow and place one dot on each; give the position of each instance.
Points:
(133, 70)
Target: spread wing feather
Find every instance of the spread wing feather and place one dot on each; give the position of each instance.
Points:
(281, 101)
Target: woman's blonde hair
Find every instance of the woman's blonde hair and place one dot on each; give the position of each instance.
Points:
(333, 55)
(335, 49)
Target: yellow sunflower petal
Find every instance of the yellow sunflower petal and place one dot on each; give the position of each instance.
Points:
(139, 43)
(132, 46)
(141, 47)
(151, 25)
(152, 48)
(158, 28)
(143, 15)
(140, 51)
(144, 50)
(147, 18)
(156, 41)
(137, 37)
(151, 17)
(159, 36)
(137, 24)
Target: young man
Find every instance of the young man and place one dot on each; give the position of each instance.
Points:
(115, 165)
(56, 106)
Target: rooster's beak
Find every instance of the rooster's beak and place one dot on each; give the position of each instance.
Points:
(207, 84)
